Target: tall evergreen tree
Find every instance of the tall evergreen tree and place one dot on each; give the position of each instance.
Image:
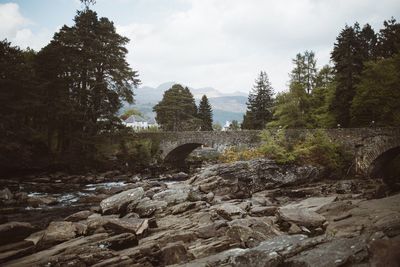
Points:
(177, 110)
(205, 114)
(377, 98)
(259, 105)
(352, 49)
(389, 39)
(89, 75)
(305, 70)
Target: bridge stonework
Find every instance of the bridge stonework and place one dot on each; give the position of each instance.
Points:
(371, 147)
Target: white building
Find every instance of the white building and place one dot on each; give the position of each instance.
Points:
(138, 123)
(227, 126)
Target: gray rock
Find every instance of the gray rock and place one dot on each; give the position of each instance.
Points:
(79, 216)
(175, 253)
(57, 232)
(301, 217)
(241, 179)
(118, 203)
(6, 194)
(335, 253)
(147, 207)
(229, 211)
(173, 196)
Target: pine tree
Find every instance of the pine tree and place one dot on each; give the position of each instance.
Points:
(350, 52)
(304, 71)
(205, 114)
(389, 39)
(84, 71)
(177, 110)
(259, 105)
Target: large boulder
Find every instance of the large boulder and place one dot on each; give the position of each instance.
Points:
(14, 231)
(5, 194)
(301, 216)
(241, 179)
(173, 196)
(57, 232)
(118, 203)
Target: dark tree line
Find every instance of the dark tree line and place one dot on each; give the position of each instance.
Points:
(58, 101)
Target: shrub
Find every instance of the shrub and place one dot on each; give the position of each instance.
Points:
(318, 148)
(277, 147)
(234, 154)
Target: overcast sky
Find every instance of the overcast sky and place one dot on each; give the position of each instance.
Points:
(218, 43)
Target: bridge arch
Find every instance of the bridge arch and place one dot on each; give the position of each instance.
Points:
(178, 155)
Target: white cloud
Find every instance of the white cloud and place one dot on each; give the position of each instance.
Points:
(16, 28)
(225, 43)
(11, 20)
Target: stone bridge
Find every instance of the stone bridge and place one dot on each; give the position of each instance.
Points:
(372, 147)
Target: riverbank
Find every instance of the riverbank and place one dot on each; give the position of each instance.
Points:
(250, 213)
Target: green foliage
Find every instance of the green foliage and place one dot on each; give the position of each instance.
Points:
(305, 70)
(377, 97)
(205, 114)
(292, 108)
(235, 154)
(217, 126)
(259, 105)
(177, 110)
(277, 147)
(315, 148)
(234, 125)
(318, 148)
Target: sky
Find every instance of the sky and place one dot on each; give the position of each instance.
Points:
(205, 43)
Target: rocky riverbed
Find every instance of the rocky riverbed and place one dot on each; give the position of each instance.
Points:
(252, 213)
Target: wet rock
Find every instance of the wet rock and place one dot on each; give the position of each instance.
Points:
(118, 203)
(241, 179)
(57, 232)
(36, 201)
(79, 216)
(6, 194)
(14, 231)
(301, 217)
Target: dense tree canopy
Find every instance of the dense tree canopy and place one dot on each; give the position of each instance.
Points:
(377, 99)
(177, 110)
(205, 114)
(259, 105)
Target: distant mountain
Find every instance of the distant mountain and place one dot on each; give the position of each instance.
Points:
(225, 106)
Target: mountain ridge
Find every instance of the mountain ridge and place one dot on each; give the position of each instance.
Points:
(226, 106)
